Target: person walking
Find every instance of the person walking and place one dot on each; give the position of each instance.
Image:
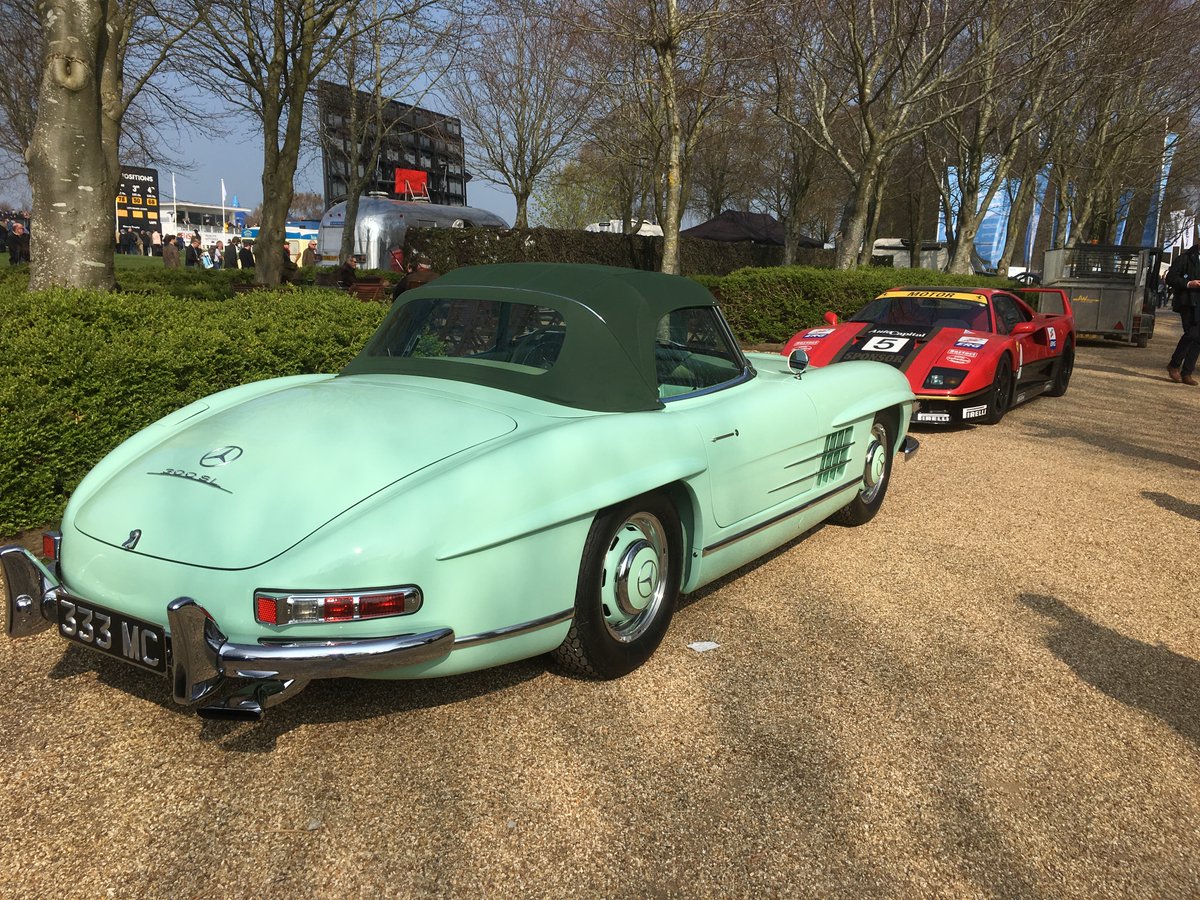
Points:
(309, 256)
(170, 253)
(156, 242)
(246, 255)
(1184, 277)
(231, 254)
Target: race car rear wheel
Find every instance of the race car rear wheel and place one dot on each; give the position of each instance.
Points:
(1062, 377)
(628, 584)
(1000, 396)
(877, 471)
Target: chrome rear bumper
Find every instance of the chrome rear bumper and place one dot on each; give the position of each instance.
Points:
(201, 657)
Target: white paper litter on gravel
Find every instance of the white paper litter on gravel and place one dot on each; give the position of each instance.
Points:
(703, 646)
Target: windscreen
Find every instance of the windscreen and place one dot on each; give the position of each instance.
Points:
(926, 312)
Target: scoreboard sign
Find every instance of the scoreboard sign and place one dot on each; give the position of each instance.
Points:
(137, 199)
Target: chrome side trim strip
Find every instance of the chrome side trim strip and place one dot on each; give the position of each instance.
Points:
(486, 637)
(721, 545)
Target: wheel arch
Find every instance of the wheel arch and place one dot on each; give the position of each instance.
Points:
(687, 507)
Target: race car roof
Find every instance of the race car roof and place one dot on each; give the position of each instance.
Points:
(971, 295)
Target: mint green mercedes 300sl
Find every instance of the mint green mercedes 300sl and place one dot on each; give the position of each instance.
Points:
(524, 459)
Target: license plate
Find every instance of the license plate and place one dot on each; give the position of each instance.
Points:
(112, 633)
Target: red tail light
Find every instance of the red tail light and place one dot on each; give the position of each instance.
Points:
(285, 608)
(51, 542)
(265, 610)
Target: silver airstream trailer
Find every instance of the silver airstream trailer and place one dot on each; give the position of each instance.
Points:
(382, 224)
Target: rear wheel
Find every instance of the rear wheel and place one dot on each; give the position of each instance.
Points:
(1000, 397)
(1062, 377)
(628, 584)
(877, 471)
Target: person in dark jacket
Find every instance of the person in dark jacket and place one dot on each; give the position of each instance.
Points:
(246, 256)
(18, 245)
(1184, 277)
(194, 252)
(347, 272)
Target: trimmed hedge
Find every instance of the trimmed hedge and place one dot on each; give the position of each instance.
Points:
(770, 305)
(450, 248)
(80, 371)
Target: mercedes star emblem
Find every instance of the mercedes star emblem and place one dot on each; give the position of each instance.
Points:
(220, 456)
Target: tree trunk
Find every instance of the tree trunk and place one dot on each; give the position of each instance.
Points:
(854, 222)
(1017, 217)
(522, 217)
(74, 187)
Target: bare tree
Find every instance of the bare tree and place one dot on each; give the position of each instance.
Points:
(518, 94)
(859, 78)
(24, 51)
(263, 56)
(74, 151)
(306, 205)
(691, 48)
(398, 51)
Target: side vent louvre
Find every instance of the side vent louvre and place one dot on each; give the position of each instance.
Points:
(835, 457)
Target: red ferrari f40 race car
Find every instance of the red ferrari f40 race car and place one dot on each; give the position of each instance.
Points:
(970, 354)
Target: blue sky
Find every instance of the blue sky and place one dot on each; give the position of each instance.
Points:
(205, 158)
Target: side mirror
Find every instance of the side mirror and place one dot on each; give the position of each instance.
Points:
(1024, 328)
(798, 361)
(830, 318)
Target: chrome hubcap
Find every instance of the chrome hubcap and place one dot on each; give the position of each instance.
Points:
(636, 568)
(875, 471)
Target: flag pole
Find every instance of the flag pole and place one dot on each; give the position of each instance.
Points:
(222, 206)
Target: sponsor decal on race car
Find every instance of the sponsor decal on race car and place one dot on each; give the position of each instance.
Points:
(1053, 338)
(973, 343)
(819, 333)
(884, 344)
(901, 332)
(933, 417)
(974, 412)
(887, 345)
(961, 357)
(805, 345)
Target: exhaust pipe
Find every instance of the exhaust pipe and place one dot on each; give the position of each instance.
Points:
(249, 704)
(248, 712)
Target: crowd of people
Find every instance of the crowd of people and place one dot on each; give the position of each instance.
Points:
(184, 251)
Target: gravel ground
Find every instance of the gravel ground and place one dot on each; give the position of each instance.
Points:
(992, 689)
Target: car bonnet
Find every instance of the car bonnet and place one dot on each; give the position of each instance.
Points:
(239, 487)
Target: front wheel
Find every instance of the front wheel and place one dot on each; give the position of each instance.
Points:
(877, 471)
(628, 584)
(1000, 397)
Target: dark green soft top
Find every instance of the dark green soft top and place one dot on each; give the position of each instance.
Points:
(610, 318)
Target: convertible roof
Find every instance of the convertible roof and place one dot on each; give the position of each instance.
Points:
(611, 317)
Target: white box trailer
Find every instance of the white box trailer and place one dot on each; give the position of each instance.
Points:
(1112, 289)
